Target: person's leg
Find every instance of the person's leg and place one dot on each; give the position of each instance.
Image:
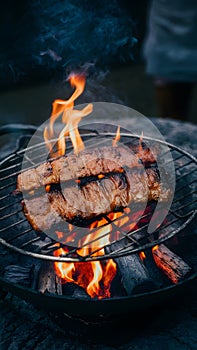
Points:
(173, 98)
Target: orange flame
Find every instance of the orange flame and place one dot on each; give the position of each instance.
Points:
(47, 188)
(70, 118)
(140, 142)
(117, 137)
(96, 276)
(155, 248)
(142, 255)
(64, 270)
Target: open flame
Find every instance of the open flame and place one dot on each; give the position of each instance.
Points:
(70, 118)
(95, 276)
(117, 137)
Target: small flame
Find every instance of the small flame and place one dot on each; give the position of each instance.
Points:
(155, 248)
(47, 188)
(70, 119)
(64, 270)
(117, 137)
(140, 142)
(101, 176)
(142, 255)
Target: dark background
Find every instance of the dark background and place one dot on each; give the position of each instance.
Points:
(42, 41)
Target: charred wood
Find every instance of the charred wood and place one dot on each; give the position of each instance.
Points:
(47, 282)
(134, 275)
(74, 291)
(18, 274)
(173, 266)
(155, 273)
(34, 276)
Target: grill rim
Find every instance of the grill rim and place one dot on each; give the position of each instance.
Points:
(100, 310)
(110, 255)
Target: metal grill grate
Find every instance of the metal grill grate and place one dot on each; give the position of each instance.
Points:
(16, 233)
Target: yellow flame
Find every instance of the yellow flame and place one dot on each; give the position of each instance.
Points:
(70, 118)
(117, 137)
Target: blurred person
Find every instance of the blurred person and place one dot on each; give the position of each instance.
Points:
(170, 51)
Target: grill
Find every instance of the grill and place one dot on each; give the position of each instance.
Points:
(28, 271)
(16, 233)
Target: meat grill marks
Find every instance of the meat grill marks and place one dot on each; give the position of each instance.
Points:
(96, 182)
(76, 203)
(40, 213)
(90, 162)
(103, 196)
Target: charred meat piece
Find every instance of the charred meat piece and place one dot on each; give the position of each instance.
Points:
(92, 199)
(36, 177)
(90, 162)
(74, 203)
(40, 213)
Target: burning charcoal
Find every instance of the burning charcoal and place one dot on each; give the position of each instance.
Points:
(153, 270)
(174, 267)
(18, 274)
(47, 279)
(134, 275)
(34, 275)
(74, 291)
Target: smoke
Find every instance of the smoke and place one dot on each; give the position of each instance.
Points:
(51, 36)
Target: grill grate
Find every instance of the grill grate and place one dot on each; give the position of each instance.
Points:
(16, 233)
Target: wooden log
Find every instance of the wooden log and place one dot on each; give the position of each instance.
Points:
(34, 275)
(18, 274)
(155, 273)
(47, 282)
(134, 275)
(74, 291)
(174, 267)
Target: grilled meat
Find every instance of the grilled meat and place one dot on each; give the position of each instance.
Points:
(103, 160)
(92, 199)
(40, 213)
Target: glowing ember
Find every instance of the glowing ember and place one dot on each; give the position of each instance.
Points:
(47, 188)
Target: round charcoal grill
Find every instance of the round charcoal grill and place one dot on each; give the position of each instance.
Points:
(35, 244)
(17, 234)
